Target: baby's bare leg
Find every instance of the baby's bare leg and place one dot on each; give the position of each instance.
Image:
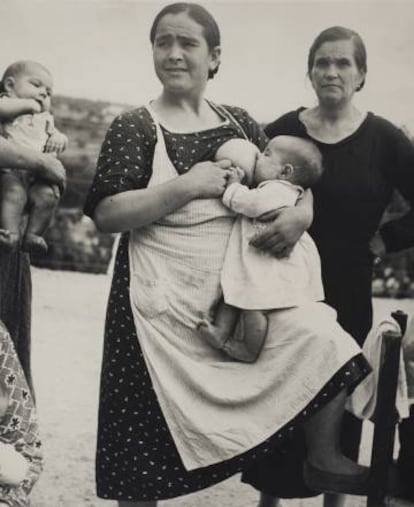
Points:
(43, 200)
(253, 328)
(217, 333)
(13, 200)
(244, 343)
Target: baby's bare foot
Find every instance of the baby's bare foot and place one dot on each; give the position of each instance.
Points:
(211, 334)
(34, 244)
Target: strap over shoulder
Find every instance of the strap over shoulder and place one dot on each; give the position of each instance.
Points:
(227, 114)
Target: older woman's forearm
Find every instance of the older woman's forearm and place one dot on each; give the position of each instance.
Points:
(10, 107)
(18, 157)
(137, 208)
(40, 164)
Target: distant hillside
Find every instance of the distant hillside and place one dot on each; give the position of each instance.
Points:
(85, 123)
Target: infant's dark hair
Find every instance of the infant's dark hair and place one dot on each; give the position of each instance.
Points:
(305, 158)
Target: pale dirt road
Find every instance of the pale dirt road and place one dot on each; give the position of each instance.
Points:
(68, 315)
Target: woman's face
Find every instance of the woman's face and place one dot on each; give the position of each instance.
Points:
(335, 75)
(182, 58)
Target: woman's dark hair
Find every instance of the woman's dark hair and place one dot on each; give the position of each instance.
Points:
(201, 16)
(335, 33)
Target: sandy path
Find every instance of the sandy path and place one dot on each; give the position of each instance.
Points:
(68, 312)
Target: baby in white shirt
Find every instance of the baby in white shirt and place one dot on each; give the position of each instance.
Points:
(252, 280)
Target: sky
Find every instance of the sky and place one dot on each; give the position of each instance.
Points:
(99, 49)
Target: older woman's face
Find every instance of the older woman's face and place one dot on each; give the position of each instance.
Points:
(182, 58)
(335, 75)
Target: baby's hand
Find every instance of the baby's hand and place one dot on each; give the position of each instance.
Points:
(56, 143)
(236, 176)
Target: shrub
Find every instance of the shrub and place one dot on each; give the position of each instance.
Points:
(75, 244)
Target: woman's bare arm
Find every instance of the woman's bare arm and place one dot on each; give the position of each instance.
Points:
(136, 208)
(40, 164)
(11, 107)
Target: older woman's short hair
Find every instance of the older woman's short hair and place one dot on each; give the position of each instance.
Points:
(335, 33)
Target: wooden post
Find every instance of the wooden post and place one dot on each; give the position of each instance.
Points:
(386, 416)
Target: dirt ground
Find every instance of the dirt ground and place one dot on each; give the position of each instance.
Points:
(68, 317)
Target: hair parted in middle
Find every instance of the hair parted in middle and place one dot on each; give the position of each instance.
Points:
(198, 14)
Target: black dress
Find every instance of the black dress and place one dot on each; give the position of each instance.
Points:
(361, 173)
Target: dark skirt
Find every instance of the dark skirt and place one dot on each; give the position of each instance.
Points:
(15, 303)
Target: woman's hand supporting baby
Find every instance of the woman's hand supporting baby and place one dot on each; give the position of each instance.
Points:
(288, 225)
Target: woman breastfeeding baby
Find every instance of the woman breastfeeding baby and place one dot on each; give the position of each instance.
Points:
(178, 408)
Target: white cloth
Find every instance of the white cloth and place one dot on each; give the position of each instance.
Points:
(255, 280)
(216, 408)
(13, 465)
(363, 400)
(29, 130)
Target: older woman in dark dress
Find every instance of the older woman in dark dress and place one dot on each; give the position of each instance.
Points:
(366, 158)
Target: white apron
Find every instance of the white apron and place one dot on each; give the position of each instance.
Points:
(216, 408)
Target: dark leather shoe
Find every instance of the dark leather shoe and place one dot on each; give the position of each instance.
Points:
(330, 482)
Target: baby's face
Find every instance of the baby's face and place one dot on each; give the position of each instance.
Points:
(34, 82)
(268, 165)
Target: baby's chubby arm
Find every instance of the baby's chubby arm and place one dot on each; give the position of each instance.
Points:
(243, 200)
(56, 143)
(11, 107)
(250, 202)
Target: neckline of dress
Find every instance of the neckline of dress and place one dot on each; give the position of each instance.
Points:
(345, 139)
(164, 125)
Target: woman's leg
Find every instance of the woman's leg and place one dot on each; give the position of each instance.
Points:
(152, 503)
(333, 500)
(322, 436)
(268, 501)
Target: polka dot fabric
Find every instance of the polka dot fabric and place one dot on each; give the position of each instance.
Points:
(136, 456)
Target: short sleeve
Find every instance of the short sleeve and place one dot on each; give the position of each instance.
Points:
(251, 128)
(125, 159)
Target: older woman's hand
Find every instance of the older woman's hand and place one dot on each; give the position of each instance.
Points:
(52, 170)
(377, 247)
(208, 179)
(287, 226)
